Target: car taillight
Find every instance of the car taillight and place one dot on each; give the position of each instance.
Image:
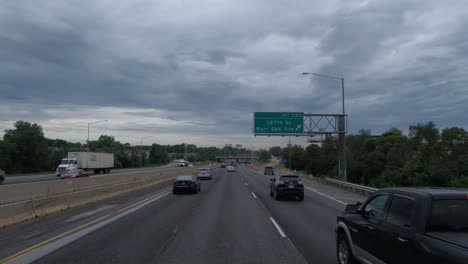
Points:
(466, 196)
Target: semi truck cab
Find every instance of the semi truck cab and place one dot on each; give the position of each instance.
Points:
(66, 164)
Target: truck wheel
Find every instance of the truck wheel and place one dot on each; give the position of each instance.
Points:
(301, 197)
(276, 195)
(343, 250)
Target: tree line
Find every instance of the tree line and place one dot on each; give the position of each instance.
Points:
(427, 156)
(25, 149)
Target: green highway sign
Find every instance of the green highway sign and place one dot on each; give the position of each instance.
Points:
(278, 122)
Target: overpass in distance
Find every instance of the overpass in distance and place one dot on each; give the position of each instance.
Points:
(233, 216)
(242, 158)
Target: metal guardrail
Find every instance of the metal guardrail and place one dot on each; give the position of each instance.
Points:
(352, 186)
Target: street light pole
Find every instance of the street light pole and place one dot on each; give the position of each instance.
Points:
(89, 123)
(341, 136)
(343, 140)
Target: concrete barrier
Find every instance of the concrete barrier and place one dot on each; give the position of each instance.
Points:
(19, 202)
(16, 212)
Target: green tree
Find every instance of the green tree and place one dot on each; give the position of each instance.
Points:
(297, 157)
(158, 154)
(27, 147)
(6, 150)
(313, 159)
(264, 156)
(275, 151)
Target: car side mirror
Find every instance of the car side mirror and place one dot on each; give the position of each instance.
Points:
(351, 209)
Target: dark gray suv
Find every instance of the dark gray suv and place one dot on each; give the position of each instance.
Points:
(287, 185)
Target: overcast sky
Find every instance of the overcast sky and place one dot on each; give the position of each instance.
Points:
(195, 71)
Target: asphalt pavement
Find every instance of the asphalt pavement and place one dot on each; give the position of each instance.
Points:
(232, 220)
(52, 177)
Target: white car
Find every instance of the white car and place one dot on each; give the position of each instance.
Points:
(230, 168)
(204, 173)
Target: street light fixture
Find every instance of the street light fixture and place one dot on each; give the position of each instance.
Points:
(342, 136)
(89, 123)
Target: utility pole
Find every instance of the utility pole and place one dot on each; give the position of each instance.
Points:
(89, 123)
(289, 153)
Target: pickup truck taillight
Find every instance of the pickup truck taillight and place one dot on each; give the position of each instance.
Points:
(466, 196)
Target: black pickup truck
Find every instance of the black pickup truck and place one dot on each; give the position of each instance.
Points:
(405, 225)
(2, 175)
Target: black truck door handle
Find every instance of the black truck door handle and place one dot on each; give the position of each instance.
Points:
(402, 240)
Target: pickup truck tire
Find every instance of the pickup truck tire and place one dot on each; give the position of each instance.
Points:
(276, 195)
(301, 197)
(343, 250)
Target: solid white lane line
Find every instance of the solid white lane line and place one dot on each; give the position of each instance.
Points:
(329, 197)
(245, 184)
(280, 231)
(253, 194)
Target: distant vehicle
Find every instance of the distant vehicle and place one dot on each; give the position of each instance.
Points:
(223, 165)
(204, 173)
(268, 170)
(184, 164)
(97, 162)
(286, 185)
(405, 225)
(74, 173)
(230, 168)
(186, 183)
(2, 175)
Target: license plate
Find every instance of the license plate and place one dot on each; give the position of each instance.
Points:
(182, 183)
(291, 186)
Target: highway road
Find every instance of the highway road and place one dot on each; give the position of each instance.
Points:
(51, 177)
(232, 220)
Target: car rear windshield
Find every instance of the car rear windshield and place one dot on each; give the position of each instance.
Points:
(268, 168)
(289, 178)
(449, 216)
(184, 178)
(204, 169)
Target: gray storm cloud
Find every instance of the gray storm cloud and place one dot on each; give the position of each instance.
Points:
(202, 67)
